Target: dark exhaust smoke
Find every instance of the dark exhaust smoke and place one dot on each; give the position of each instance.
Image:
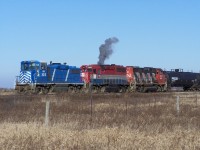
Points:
(105, 50)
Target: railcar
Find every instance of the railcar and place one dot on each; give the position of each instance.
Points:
(188, 81)
(40, 77)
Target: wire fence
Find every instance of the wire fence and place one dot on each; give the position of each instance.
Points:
(50, 109)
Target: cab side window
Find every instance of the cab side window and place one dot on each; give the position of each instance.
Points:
(43, 66)
(99, 71)
(94, 70)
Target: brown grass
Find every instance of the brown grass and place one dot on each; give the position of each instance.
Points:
(116, 121)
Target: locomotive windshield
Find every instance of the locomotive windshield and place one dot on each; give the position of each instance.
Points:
(30, 66)
(89, 69)
(43, 65)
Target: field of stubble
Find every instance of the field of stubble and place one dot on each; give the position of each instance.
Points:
(111, 121)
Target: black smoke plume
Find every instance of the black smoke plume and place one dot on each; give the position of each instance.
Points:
(105, 50)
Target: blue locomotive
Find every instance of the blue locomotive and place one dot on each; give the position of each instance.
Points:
(40, 77)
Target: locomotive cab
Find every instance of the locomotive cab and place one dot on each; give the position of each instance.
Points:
(30, 72)
(160, 76)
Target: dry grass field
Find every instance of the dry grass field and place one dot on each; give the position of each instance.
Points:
(110, 121)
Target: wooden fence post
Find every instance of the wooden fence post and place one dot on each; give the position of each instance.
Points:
(47, 113)
(91, 100)
(177, 105)
(196, 99)
(126, 108)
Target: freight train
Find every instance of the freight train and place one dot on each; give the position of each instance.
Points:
(40, 77)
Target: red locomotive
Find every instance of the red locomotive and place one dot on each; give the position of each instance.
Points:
(104, 77)
(146, 79)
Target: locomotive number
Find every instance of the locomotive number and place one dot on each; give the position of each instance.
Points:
(44, 74)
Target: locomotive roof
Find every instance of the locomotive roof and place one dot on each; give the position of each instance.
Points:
(29, 61)
(61, 66)
(96, 65)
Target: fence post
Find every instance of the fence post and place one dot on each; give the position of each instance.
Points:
(196, 99)
(90, 88)
(126, 108)
(47, 113)
(149, 102)
(177, 105)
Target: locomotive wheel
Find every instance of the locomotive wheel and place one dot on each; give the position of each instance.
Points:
(85, 90)
(36, 90)
(159, 89)
(78, 89)
(98, 89)
(24, 91)
(103, 89)
(51, 88)
(94, 89)
(122, 89)
(20, 90)
(141, 89)
(144, 90)
(131, 90)
(45, 90)
(71, 90)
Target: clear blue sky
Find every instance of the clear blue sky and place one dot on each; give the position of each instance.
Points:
(154, 33)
